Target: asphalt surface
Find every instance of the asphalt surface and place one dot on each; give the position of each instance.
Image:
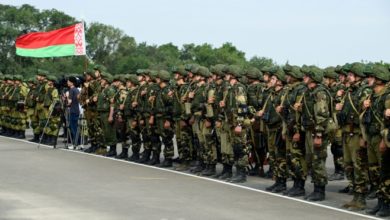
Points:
(56, 184)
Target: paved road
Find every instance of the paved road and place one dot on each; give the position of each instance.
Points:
(61, 184)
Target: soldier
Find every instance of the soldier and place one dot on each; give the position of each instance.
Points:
(105, 108)
(273, 121)
(130, 113)
(380, 106)
(6, 105)
(19, 114)
(294, 136)
(38, 119)
(51, 112)
(355, 151)
(316, 115)
(30, 102)
(257, 137)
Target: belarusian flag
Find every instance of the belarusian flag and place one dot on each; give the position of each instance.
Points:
(68, 41)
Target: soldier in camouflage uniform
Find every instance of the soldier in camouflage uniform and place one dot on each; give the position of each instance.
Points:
(130, 113)
(380, 106)
(19, 112)
(30, 102)
(355, 150)
(294, 136)
(39, 114)
(5, 105)
(256, 135)
(316, 114)
(273, 120)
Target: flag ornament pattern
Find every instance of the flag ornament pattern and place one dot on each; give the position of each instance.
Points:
(68, 41)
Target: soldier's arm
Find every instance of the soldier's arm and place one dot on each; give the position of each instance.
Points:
(242, 104)
(321, 111)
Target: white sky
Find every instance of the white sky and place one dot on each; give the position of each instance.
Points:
(301, 32)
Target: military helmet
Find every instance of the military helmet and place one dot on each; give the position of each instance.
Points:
(133, 78)
(381, 73)
(234, 70)
(217, 69)
(269, 69)
(330, 72)
(42, 72)
(316, 74)
(180, 70)
(369, 69)
(358, 69)
(339, 69)
(52, 78)
(254, 73)
(294, 71)
(164, 75)
(18, 78)
(280, 75)
(305, 69)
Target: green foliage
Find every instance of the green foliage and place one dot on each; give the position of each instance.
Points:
(106, 45)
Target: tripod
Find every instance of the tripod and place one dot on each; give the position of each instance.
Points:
(82, 132)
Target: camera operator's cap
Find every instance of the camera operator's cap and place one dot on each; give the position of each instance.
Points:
(218, 69)
(254, 73)
(316, 74)
(330, 73)
(381, 73)
(164, 75)
(52, 78)
(42, 72)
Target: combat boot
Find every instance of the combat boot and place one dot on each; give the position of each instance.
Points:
(293, 188)
(209, 171)
(91, 149)
(35, 138)
(217, 175)
(359, 204)
(166, 163)
(317, 195)
(348, 189)
(270, 188)
(145, 156)
(21, 135)
(183, 166)
(375, 209)
(50, 140)
(336, 176)
(14, 134)
(299, 190)
(228, 173)
(198, 168)
(124, 153)
(155, 159)
(112, 151)
(134, 157)
(281, 186)
(384, 211)
(372, 194)
(240, 177)
(352, 202)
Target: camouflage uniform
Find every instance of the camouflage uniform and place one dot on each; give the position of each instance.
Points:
(51, 119)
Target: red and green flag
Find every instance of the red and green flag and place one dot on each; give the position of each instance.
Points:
(68, 41)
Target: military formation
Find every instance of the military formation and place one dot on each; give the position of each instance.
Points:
(285, 117)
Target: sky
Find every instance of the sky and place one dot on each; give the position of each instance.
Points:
(312, 32)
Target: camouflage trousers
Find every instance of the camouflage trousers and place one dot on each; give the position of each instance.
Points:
(374, 159)
(94, 128)
(280, 163)
(298, 158)
(167, 135)
(223, 133)
(184, 139)
(240, 149)
(41, 114)
(150, 137)
(109, 133)
(355, 162)
(337, 150)
(134, 133)
(318, 159)
(198, 141)
(52, 127)
(271, 141)
(20, 120)
(209, 154)
(384, 187)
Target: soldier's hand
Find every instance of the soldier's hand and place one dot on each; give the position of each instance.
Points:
(340, 93)
(207, 123)
(238, 129)
(339, 107)
(143, 92)
(387, 113)
(110, 119)
(121, 106)
(170, 93)
(279, 109)
(141, 122)
(151, 98)
(260, 113)
(86, 85)
(297, 106)
(94, 99)
(296, 137)
(192, 120)
(87, 101)
(134, 104)
(382, 146)
(151, 120)
(167, 124)
(221, 104)
(191, 95)
(366, 103)
(317, 142)
(211, 100)
(362, 143)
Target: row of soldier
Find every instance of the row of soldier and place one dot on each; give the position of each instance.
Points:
(287, 116)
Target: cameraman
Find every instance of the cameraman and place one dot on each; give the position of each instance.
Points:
(74, 109)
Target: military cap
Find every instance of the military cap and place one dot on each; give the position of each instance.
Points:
(316, 74)
(217, 69)
(133, 78)
(287, 68)
(254, 73)
(280, 75)
(233, 70)
(42, 72)
(164, 75)
(381, 73)
(52, 78)
(358, 69)
(330, 73)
